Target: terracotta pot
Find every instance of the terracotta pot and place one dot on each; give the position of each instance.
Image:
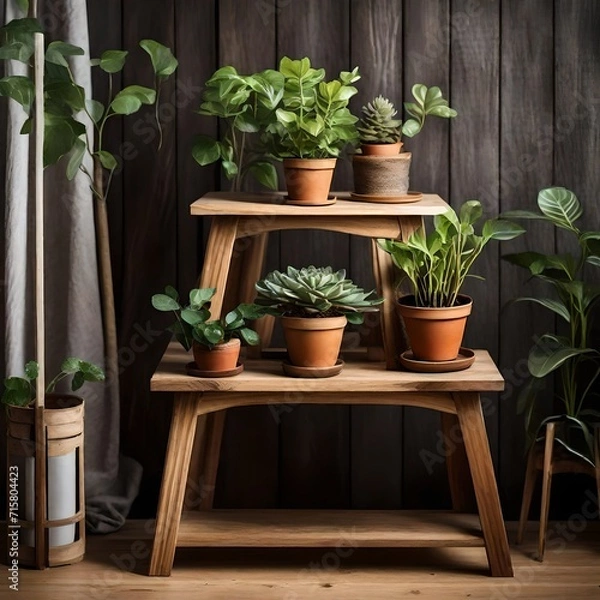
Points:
(435, 333)
(313, 342)
(381, 175)
(381, 149)
(308, 180)
(223, 357)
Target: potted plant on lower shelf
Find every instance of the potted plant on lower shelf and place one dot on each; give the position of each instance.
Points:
(315, 304)
(312, 126)
(64, 436)
(215, 343)
(381, 171)
(569, 354)
(436, 266)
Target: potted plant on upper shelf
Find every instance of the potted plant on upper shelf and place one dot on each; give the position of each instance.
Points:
(312, 125)
(570, 354)
(315, 304)
(244, 105)
(64, 434)
(215, 343)
(436, 265)
(381, 171)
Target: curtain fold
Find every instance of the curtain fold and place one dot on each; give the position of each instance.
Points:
(72, 301)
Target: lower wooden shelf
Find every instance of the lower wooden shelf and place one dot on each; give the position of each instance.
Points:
(328, 528)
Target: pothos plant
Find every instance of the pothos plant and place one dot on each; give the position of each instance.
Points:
(244, 105)
(20, 391)
(65, 112)
(193, 322)
(568, 353)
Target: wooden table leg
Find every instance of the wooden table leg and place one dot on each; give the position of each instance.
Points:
(457, 464)
(528, 489)
(172, 490)
(478, 452)
(212, 452)
(546, 485)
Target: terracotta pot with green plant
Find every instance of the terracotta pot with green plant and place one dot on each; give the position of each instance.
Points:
(215, 343)
(381, 171)
(436, 265)
(315, 305)
(312, 126)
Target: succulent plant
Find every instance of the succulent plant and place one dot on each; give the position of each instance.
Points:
(315, 292)
(193, 320)
(377, 125)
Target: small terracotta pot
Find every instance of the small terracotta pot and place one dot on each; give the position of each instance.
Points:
(308, 180)
(223, 357)
(381, 175)
(435, 333)
(313, 342)
(381, 149)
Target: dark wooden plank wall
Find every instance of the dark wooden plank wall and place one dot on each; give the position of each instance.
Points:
(525, 78)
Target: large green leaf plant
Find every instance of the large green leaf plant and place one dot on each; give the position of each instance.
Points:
(568, 353)
(437, 264)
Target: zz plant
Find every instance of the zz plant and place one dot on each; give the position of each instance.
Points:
(438, 264)
(312, 119)
(315, 292)
(20, 391)
(568, 353)
(193, 322)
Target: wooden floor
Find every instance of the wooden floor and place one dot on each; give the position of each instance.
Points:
(115, 565)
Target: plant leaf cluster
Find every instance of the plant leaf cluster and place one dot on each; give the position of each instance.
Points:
(377, 124)
(428, 101)
(65, 100)
(315, 291)
(573, 300)
(20, 391)
(193, 322)
(438, 264)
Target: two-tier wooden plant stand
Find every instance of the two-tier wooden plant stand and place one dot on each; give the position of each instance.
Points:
(204, 402)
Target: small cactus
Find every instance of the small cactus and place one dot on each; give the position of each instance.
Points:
(377, 125)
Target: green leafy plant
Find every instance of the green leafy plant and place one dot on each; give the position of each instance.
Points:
(193, 322)
(377, 124)
(315, 292)
(428, 101)
(66, 109)
(437, 264)
(244, 105)
(20, 391)
(569, 353)
(313, 119)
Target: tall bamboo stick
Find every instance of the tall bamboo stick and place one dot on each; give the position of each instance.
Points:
(40, 428)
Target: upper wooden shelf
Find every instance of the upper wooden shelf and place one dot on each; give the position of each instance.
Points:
(361, 377)
(272, 204)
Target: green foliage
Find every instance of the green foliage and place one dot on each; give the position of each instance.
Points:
(377, 125)
(573, 299)
(245, 105)
(20, 391)
(438, 264)
(65, 133)
(312, 119)
(193, 319)
(313, 292)
(428, 101)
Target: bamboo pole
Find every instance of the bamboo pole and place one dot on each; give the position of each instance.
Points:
(40, 429)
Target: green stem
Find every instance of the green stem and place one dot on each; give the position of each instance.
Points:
(156, 113)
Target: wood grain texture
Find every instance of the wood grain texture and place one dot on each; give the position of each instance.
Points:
(250, 478)
(149, 250)
(427, 60)
(314, 443)
(475, 73)
(525, 168)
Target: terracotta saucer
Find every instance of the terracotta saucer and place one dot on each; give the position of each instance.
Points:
(387, 198)
(191, 369)
(312, 372)
(330, 200)
(464, 360)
